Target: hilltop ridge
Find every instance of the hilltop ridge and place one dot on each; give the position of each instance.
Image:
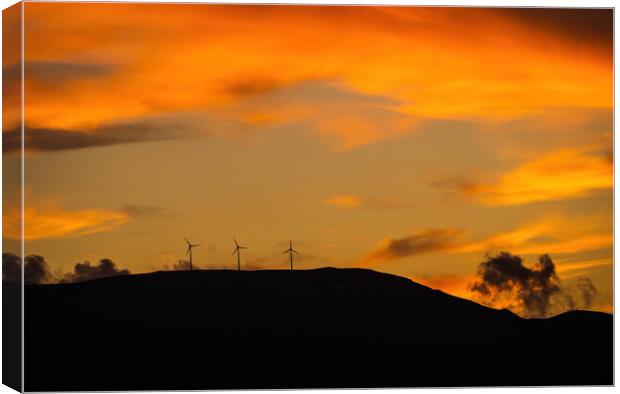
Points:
(325, 327)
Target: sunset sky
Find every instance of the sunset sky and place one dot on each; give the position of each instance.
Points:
(408, 140)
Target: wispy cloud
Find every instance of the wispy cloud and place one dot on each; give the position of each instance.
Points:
(140, 210)
(559, 175)
(343, 117)
(51, 72)
(48, 219)
(349, 201)
(425, 241)
(122, 132)
(555, 234)
(549, 234)
(573, 268)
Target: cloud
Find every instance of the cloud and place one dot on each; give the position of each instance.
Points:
(588, 292)
(344, 201)
(552, 233)
(274, 261)
(50, 72)
(134, 210)
(48, 75)
(252, 86)
(460, 184)
(588, 26)
(349, 201)
(85, 271)
(329, 109)
(559, 175)
(530, 288)
(36, 269)
(181, 265)
(407, 54)
(553, 130)
(576, 267)
(49, 220)
(140, 130)
(426, 241)
(11, 268)
(503, 280)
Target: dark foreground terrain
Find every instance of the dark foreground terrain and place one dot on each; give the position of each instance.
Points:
(301, 329)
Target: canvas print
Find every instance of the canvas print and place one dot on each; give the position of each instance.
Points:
(204, 196)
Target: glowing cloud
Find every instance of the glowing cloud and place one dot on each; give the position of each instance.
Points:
(86, 74)
(563, 174)
(49, 220)
(551, 234)
(574, 268)
(346, 201)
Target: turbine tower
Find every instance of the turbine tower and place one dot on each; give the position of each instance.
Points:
(238, 253)
(189, 250)
(290, 252)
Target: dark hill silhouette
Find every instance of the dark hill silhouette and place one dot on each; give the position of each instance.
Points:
(295, 329)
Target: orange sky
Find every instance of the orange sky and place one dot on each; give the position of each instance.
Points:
(347, 128)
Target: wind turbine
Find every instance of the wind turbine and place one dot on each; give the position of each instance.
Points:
(290, 252)
(189, 250)
(238, 253)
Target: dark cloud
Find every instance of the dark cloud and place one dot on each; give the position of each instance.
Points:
(11, 270)
(533, 292)
(422, 242)
(532, 287)
(52, 72)
(280, 261)
(181, 265)
(46, 140)
(36, 269)
(593, 27)
(86, 271)
(459, 184)
(463, 183)
(252, 86)
(254, 265)
(134, 210)
(581, 295)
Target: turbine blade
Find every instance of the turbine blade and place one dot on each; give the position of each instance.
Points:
(188, 243)
(243, 247)
(294, 251)
(187, 251)
(236, 251)
(193, 246)
(236, 243)
(285, 252)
